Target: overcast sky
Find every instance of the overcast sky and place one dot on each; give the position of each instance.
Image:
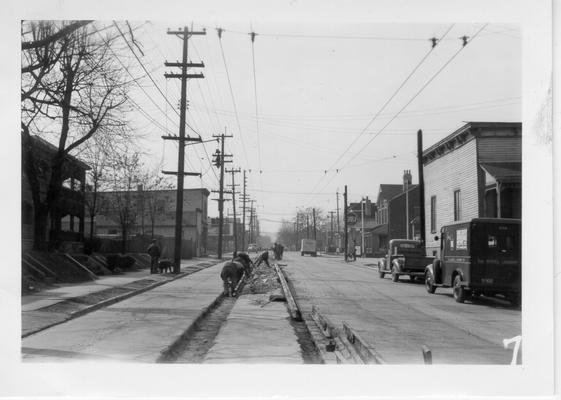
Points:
(320, 118)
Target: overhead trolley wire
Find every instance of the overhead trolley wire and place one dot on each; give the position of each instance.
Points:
(417, 66)
(418, 93)
(409, 102)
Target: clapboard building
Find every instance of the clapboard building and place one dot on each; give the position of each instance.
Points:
(473, 172)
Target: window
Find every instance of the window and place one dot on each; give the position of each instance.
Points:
(433, 214)
(457, 205)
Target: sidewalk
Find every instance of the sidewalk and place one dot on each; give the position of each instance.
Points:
(67, 301)
(137, 329)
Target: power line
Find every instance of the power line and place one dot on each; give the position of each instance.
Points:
(252, 34)
(232, 95)
(152, 79)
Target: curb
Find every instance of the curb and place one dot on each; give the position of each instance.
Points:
(116, 299)
(292, 306)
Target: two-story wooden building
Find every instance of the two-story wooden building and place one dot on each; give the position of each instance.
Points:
(473, 172)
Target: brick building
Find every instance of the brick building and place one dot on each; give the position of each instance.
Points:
(152, 212)
(473, 172)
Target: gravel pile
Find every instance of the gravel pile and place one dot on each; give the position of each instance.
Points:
(263, 280)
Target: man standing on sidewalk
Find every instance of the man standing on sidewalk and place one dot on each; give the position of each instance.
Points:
(154, 252)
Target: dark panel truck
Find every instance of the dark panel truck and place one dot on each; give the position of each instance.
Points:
(404, 257)
(479, 257)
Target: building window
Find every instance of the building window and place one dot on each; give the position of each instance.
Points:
(433, 214)
(457, 205)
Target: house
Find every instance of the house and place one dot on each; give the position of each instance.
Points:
(377, 234)
(153, 213)
(366, 222)
(66, 219)
(473, 172)
(404, 211)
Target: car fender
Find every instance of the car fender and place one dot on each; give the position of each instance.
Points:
(397, 264)
(434, 269)
(382, 264)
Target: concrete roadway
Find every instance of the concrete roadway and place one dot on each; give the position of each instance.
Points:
(396, 319)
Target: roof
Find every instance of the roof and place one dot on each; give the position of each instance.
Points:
(52, 148)
(504, 171)
(388, 191)
(380, 230)
(467, 132)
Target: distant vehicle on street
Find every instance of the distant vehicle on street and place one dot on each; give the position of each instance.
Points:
(404, 257)
(479, 257)
(309, 246)
(252, 247)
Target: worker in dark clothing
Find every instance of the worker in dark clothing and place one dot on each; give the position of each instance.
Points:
(263, 257)
(154, 252)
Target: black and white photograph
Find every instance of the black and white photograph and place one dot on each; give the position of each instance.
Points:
(308, 200)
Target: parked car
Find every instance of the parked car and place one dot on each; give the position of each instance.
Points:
(309, 246)
(404, 257)
(252, 247)
(479, 257)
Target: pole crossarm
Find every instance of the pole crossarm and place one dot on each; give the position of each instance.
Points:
(184, 173)
(187, 139)
(188, 76)
(188, 65)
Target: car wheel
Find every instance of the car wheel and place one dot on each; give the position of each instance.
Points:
(302, 253)
(395, 275)
(459, 290)
(413, 278)
(381, 274)
(429, 283)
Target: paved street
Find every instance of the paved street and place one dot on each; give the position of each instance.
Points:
(396, 319)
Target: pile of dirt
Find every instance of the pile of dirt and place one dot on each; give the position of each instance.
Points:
(263, 280)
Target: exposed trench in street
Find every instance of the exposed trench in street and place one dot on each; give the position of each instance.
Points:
(200, 338)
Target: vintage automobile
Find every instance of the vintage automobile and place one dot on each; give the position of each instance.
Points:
(252, 248)
(309, 246)
(478, 257)
(404, 257)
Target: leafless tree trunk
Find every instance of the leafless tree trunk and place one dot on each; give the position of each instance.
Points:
(69, 81)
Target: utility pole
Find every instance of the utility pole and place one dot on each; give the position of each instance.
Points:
(314, 218)
(233, 171)
(345, 216)
(220, 160)
(244, 199)
(251, 222)
(307, 226)
(331, 213)
(421, 186)
(362, 227)
(184, 34)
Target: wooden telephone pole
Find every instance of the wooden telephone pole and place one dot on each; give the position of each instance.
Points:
(184, 34)
(219, 161)
(233, 185)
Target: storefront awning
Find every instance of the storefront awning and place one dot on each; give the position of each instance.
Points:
(504, 172)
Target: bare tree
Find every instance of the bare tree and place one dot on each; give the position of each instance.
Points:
(125, 176)
(151, 201)
(72, 85)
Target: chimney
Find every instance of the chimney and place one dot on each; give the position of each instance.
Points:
(407, 179)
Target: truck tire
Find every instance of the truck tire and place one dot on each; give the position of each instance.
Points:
(381, 274)
(459, 290)
(395, 275)
(429, 282)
